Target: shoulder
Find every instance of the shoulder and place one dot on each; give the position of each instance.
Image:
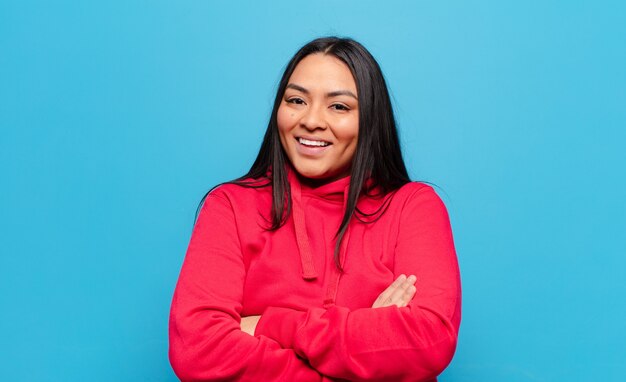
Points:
(414, 187)
(415, 191)
(242, 197)
(237, 189)
(419, 199)
(405, 197)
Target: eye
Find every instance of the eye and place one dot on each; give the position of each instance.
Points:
(339, 107)
(295, 100)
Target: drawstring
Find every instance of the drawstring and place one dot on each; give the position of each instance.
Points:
(302, 238)
(333, 285)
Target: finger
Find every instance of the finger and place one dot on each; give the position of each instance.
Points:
(399, 296)
(392, 288)
(384, 296)
(408, 295)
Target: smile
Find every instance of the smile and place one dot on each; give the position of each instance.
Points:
(313, 143)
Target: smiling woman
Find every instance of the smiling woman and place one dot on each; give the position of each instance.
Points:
(323, 262)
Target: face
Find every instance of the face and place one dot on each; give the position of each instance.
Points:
(318, 118)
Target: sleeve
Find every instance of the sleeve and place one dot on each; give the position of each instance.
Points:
(206, 342)
(413, 343)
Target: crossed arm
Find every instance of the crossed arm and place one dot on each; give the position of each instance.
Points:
(399, 293)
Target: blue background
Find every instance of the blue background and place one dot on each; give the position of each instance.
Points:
(117, 116)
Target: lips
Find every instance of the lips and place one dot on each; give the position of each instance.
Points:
(312, 142)
(311, 146)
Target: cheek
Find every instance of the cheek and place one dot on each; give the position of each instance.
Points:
(348, 133)
(284, 119)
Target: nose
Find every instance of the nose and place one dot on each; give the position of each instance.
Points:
(314, 118)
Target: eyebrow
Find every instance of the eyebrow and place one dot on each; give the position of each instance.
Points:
(329, 94)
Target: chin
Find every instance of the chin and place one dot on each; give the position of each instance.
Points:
(320, 177)
(313, 175)
(319, 173)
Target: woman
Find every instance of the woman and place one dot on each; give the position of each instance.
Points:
(325, 261)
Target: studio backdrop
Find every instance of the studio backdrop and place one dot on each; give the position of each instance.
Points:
(117, 116)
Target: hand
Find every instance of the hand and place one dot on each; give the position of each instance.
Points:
(248, 324)
(399, 293)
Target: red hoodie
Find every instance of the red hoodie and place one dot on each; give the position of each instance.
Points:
(317, 323)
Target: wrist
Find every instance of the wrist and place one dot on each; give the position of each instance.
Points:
(280, 324)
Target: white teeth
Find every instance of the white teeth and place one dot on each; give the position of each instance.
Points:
(312, 143)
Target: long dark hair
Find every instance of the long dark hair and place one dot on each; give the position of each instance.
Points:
(378, 156)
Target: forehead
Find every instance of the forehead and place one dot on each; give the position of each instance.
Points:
(323, 70)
